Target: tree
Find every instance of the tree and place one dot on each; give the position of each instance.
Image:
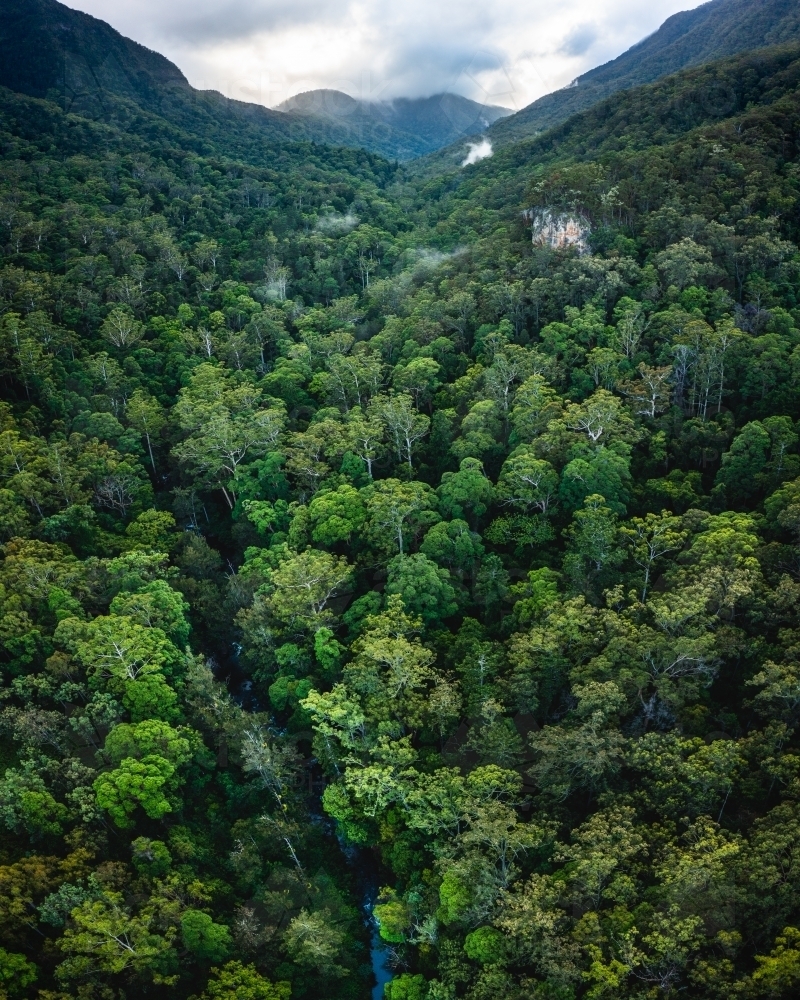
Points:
(313, 941)
(209, 942)
(150, 737)
(136, 783)
(594, 544)
(424, 587)
(121, 328)
(104, 936)
(400, 510)
(527, 482)
(481, 432)
(225, 425)
(601, 418)
(16, 973)
(156, 605)
(145, 415)
(650, 538)
(27, 804)
(419, 378)
(406, 987)
(535, 405)
(336, 515)
(391, 671)
(301, 587)
(739, 475)
(778, 973)
(467, 493)
(405, 425)
(485, 945)
(454, 546)
(583, 757)
(351, 380)
(365, 437)
(116, 649)
(685, 263)
(235, 981)
(651, 394)
(275, 761)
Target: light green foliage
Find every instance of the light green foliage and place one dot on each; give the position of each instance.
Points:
(424, 587)
(226, 424)
(210, 942)
(398, 512)
(481, 430)
(594, 542)
(527, 482)
(485, 945)
(235, 981)
(325, 479)
(133, 784)
(16, 973)
(393, 917)
(150, 737)
(117, 649)
(336, 516)
(312, 941)
(406, 987)
(152, 529)
(300, 589)
(103, 936)
(454, 547)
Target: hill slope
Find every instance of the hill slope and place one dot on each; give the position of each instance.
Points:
(714, 30)
(50, 51)
(324, 491)
(417, 126)
(711, 32)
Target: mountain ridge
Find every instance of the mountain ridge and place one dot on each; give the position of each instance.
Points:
(710, 32)
(427, 123)
(48, 50)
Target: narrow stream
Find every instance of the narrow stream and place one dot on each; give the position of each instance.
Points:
(378, 952)
(361, 862)
(364, 866)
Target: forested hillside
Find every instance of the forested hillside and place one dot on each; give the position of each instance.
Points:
(417, 125)
(356, 536)
(49, 50)
(712, 31)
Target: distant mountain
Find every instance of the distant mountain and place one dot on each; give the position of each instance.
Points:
(50, 51)
(712, 31)
(417, 126)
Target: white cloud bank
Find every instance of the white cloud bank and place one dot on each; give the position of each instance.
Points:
(477, 151)
(508, 52)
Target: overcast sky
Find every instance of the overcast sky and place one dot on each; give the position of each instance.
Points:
(506, 52)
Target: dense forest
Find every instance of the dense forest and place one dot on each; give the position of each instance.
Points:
(356, 538)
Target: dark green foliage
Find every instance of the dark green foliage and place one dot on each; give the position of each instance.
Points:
(326, 490)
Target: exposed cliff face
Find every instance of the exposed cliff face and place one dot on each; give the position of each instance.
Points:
(558, 231)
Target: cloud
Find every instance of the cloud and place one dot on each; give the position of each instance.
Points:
(477, 151)
(508, 52)
(579, 40)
